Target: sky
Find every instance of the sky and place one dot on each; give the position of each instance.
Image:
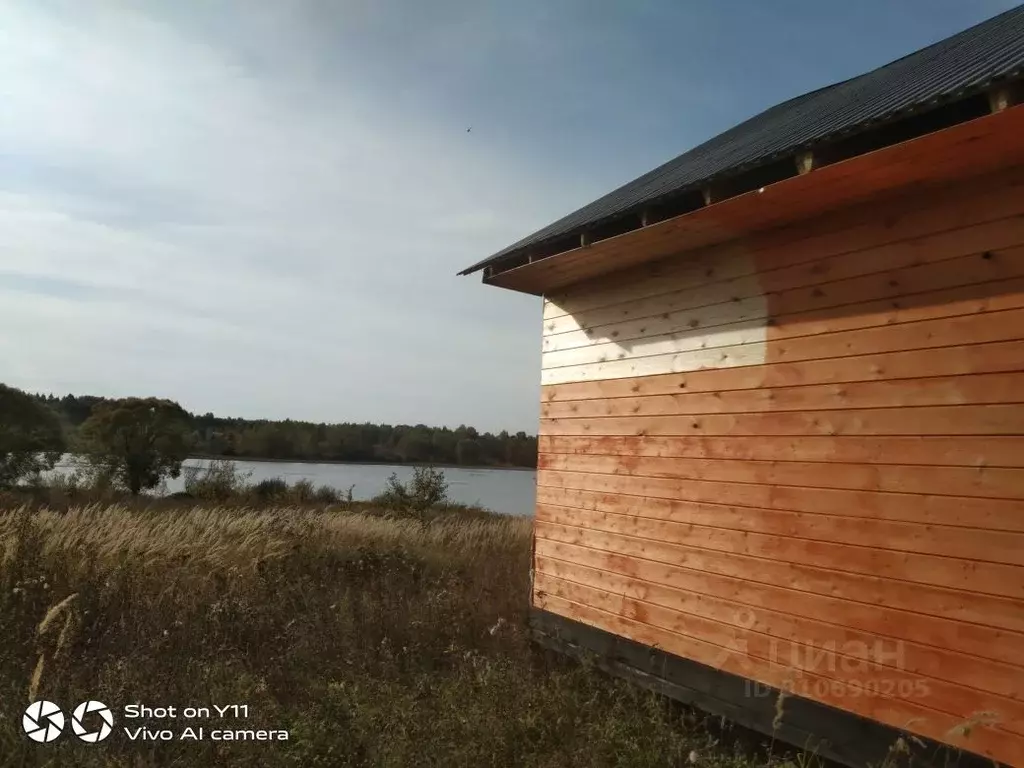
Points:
(258, 207)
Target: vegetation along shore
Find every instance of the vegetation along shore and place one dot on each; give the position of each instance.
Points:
(290, 440)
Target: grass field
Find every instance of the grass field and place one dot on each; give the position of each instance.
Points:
(372, 640)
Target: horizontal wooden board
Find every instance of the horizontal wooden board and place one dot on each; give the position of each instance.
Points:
(695, 360)
(853, 309)
(745, 295)
(879, 300)
(876, 647)
(973, 644)
(752, 647)
(993, 514)
(1000, 451)
(925, 420)
(995, 611)
(975, 576)
(804, 643)
(946, 332)
(926, 334)
(904, 714)
(980, 389)
(979, 482)
(711, 338)
(968, 359)
(938, 260)
(839, 298)
(692, 320)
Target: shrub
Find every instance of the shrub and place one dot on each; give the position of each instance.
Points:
(427, 489)
(325, 494)
(219, 481)
(271, 488)
(302, 492)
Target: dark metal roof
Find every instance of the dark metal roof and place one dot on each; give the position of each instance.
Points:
(965, 63)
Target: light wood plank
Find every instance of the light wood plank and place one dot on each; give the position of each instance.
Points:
(992, 267)
(993, 388)
(558, 505)
(1005, 356)
(972, 642)
(979, 482)
(991, 514)
(665, 344)
(918, 293)
(701, 359)
(926, 420)
(987, 610)
(1001, 451)
(924, 263)
(744, 295)
(868, 558)
(946, 332)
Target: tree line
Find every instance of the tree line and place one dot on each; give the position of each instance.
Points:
(139, 441)
(290, 440)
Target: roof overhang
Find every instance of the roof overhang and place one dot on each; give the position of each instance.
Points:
(968, 149)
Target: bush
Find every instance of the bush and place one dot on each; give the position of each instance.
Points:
(325, 494)
(219, 481)
(302, 492)
(270, 489)
(427, 489)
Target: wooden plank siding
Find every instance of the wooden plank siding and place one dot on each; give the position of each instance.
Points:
(799, 457)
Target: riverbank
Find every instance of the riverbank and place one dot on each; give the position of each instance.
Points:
(507, 492)
(381, 463)
(371, 639)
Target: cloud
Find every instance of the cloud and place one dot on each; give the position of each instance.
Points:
(277, 247)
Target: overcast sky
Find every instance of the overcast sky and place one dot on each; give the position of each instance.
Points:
(257, 208)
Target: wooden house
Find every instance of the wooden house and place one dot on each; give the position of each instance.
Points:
(782, 424)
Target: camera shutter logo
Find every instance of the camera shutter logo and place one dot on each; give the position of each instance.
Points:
(97, 709)
(43, 721)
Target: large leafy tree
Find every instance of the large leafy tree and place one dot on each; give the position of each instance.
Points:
(136, 441)
(31, 437)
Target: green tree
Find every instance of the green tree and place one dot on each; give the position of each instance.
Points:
(467, 452)
(136, 441)
(31, 438)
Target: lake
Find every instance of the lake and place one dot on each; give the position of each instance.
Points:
(509, 491)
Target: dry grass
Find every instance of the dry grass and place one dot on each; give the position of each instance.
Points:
(374, 641)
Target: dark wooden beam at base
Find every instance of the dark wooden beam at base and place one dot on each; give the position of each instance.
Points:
(832, 733)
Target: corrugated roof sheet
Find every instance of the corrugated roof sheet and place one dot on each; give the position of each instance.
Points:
(952, 68)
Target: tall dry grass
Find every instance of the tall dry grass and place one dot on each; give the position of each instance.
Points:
(373, 640)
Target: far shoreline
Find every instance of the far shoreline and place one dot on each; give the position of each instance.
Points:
(342, 462)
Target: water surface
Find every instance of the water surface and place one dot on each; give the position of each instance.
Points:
(509, 491)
